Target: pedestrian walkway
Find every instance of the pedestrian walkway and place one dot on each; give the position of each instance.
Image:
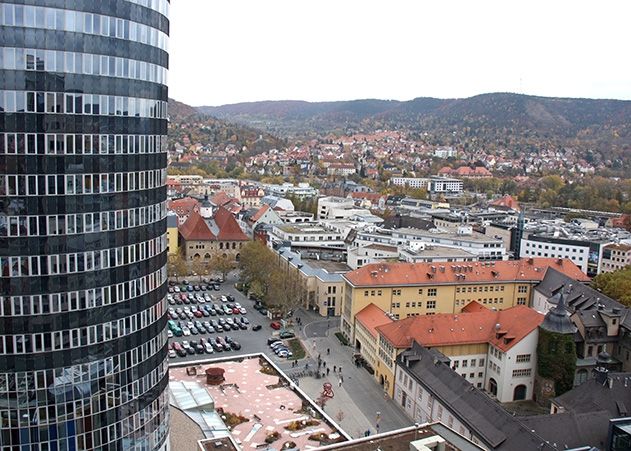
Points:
(351, 418)
(359, 388)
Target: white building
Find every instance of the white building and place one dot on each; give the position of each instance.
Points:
(445, 185)
(330, 207)
(615, 257)
(308, 234)
(411, 182)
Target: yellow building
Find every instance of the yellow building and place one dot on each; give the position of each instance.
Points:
(172, 234)
(412, 289)
(482, 353)
(321, 283)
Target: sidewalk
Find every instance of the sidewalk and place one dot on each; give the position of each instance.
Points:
(361, 396)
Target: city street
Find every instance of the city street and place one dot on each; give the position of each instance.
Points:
(359, 404)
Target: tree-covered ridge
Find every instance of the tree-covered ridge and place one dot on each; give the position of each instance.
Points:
(598, 129)
(188, 127)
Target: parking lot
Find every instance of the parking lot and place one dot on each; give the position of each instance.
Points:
(250, 341)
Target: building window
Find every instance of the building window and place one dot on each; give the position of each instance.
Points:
(431, 304)
(420, 291)
(522, 358)
(464, 363)
(432, 291)
(522, 373)
(522, 289)
(521, 301)
(396, 292)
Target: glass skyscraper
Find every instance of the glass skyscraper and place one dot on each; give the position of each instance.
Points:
(83, 124)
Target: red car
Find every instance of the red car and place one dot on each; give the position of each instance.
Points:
(275, 325)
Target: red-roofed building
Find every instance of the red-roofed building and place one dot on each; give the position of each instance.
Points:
(506, 202)
(183, 208)
(366, 323)
(466, 171)
(492, 349)
(407, 289)
(201, 238)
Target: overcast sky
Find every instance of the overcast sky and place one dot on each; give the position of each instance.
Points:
(228, 51)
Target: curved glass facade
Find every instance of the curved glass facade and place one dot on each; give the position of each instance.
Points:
(83, 345)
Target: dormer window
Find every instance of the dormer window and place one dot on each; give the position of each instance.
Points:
(614, 321)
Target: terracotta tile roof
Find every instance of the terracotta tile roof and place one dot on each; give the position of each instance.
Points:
(503, 329)
(220, 199)
(229, 229)
(400, 273)
(196, 229)
(473, 306)
(183, 206)
(374, 197)
(506, 201)
(372, 317)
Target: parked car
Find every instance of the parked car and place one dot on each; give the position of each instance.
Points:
(286, 334)
(275, 325)
(172, 353)
(256, 327)
(208, 348)
(235, 345)
(263, 311)
(271, 340)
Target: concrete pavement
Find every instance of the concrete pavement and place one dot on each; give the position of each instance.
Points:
(360, 397)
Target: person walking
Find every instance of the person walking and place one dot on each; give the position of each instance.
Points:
(334, 368)
(327, 371)
(339, 383)
(328, 351)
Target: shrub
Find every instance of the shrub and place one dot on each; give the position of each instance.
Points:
(272, 437)
(340, 336)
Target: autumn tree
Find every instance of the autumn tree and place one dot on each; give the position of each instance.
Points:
(176, 265)
(221, 263)
(284, 292)
(255, 264)
(616, 285)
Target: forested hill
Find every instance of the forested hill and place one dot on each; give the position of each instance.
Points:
(515, 121)
(189, 126)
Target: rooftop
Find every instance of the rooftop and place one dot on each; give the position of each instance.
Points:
(372, 317)
(446, 234)
(400, 274)
(265, 398)
(479, 326)
(486, 418)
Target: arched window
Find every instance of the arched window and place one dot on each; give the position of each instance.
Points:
(581, 376)
(520, 393)
(220, 245)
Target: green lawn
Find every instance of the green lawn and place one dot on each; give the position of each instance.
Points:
(296, 349)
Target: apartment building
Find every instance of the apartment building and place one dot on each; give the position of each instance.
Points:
(615, 257)
(411, 289)
(321, 283)
(494, 350)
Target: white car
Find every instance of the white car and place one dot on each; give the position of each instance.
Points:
(186, 332)
(172, 353)
(169, 334)
(242, 310)
(237, 305)
(208, 348)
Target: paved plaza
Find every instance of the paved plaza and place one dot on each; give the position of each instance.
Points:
(359, 402)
